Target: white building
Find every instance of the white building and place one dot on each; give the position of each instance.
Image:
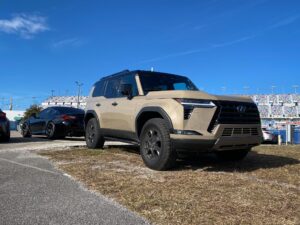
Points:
(14, 117)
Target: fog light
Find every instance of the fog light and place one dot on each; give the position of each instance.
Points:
(186, 132)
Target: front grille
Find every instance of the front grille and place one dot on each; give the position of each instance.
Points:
(228, 132)
(234, 113)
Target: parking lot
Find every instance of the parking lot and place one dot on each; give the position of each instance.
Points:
(262, 189)
(33, 191)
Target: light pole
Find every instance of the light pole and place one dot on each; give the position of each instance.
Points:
(79, 85)
(273, 87)
(295, 88)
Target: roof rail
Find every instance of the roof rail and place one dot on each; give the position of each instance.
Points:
(117, 74)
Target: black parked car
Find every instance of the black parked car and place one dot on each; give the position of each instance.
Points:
(4, 127)
(55, 122)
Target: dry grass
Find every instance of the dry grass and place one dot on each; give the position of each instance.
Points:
(263, 189)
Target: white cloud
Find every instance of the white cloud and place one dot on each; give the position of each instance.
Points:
(285, 22)
(236, 41)
(194, 51)
(74, 42)
(24, 25)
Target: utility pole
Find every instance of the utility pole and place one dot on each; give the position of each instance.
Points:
(11, 104)
(79, 85)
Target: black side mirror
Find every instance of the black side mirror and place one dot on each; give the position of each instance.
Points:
(126, 90)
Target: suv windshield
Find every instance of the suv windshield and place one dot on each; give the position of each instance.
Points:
(165, 82)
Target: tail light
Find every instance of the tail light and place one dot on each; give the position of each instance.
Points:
(2, 115)
(68, 117)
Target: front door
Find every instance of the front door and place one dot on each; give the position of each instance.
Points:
(118, 116)
(36, 123)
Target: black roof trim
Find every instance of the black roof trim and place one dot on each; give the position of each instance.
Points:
(124, 72)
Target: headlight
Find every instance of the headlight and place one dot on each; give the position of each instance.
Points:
(196, 103)
(190, 104)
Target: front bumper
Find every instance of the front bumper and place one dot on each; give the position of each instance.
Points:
(241, 137)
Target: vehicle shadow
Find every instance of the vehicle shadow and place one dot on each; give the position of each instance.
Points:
(73, 139)
(28, 140)
(252, 162)
(209, 162)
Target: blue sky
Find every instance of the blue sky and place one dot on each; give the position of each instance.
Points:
(225, 47)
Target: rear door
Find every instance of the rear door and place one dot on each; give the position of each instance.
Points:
(97, 101)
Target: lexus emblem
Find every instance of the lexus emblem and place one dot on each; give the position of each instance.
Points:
(241, 108)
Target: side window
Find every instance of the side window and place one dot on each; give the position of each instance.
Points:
(99, 89)
(129, 79)
(180, 86)
(52, 113)
(43, 114)
(112, 87)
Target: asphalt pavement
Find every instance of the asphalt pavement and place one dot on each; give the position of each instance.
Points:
(33, 191)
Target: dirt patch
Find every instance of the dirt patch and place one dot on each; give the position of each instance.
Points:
(262, 189)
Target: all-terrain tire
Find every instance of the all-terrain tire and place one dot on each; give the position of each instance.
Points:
(93, 136)
(232, 155)
(156, 147)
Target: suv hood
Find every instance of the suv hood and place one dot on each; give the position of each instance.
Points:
(195, 95)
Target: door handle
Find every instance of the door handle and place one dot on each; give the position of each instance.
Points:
(98, 104)
(114, 104)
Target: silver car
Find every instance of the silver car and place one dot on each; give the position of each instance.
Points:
(269, 137)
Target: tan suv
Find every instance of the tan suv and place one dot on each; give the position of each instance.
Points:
(166, 114)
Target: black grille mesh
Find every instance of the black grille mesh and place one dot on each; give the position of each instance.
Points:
(235, 113)
(228, 132)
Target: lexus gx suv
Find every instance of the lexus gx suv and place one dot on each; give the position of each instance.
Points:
(166, 114)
